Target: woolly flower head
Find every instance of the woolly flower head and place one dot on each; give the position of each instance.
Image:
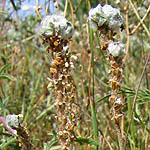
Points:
(13, 120)
(113, 15)
(116, 48)
(105, 15)
(109, 11)
(56, 25)
(96, 16)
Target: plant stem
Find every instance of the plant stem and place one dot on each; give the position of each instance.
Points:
(92, 102)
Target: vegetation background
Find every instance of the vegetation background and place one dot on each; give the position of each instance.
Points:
(24, 68)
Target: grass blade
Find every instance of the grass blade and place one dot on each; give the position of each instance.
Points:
(7, 76)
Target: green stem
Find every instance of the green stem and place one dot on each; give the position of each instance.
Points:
(132, 141)
(92, 101)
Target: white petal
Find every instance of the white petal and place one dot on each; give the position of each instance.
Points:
(116, 49)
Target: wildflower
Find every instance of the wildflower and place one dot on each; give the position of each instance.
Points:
(57, 32)
(108, 20)
(118, 101)
(8, 122)
(106, 15)
(109, 11)
(66, 65)
(96, 16)
(56, 25)
(116, 48)
(12, 120)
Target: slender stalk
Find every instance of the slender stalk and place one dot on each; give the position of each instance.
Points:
(139, 18)
(132, 105)
(142, 20)
(116, 52)
(92, 101)
(132, 122)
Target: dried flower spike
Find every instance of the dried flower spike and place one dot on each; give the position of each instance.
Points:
(57, 32)
(108, 21)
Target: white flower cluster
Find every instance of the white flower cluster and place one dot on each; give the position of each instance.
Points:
(96, 16)
(12, 120)
(116, 48)
(56, 24)
(106, 15)
(118, 101)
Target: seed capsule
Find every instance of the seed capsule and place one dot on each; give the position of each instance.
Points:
(56, 43)
(53, 71)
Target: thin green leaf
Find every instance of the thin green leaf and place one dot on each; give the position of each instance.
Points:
(48, 145)
(13, 4)
(7, 76)
(9, 141)
(45, 112)
(143, 98)
(145, 102)
(56, 147)
(39, 78)
(105, 97)
(4, 67)
(88, 141)
(4, 13)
